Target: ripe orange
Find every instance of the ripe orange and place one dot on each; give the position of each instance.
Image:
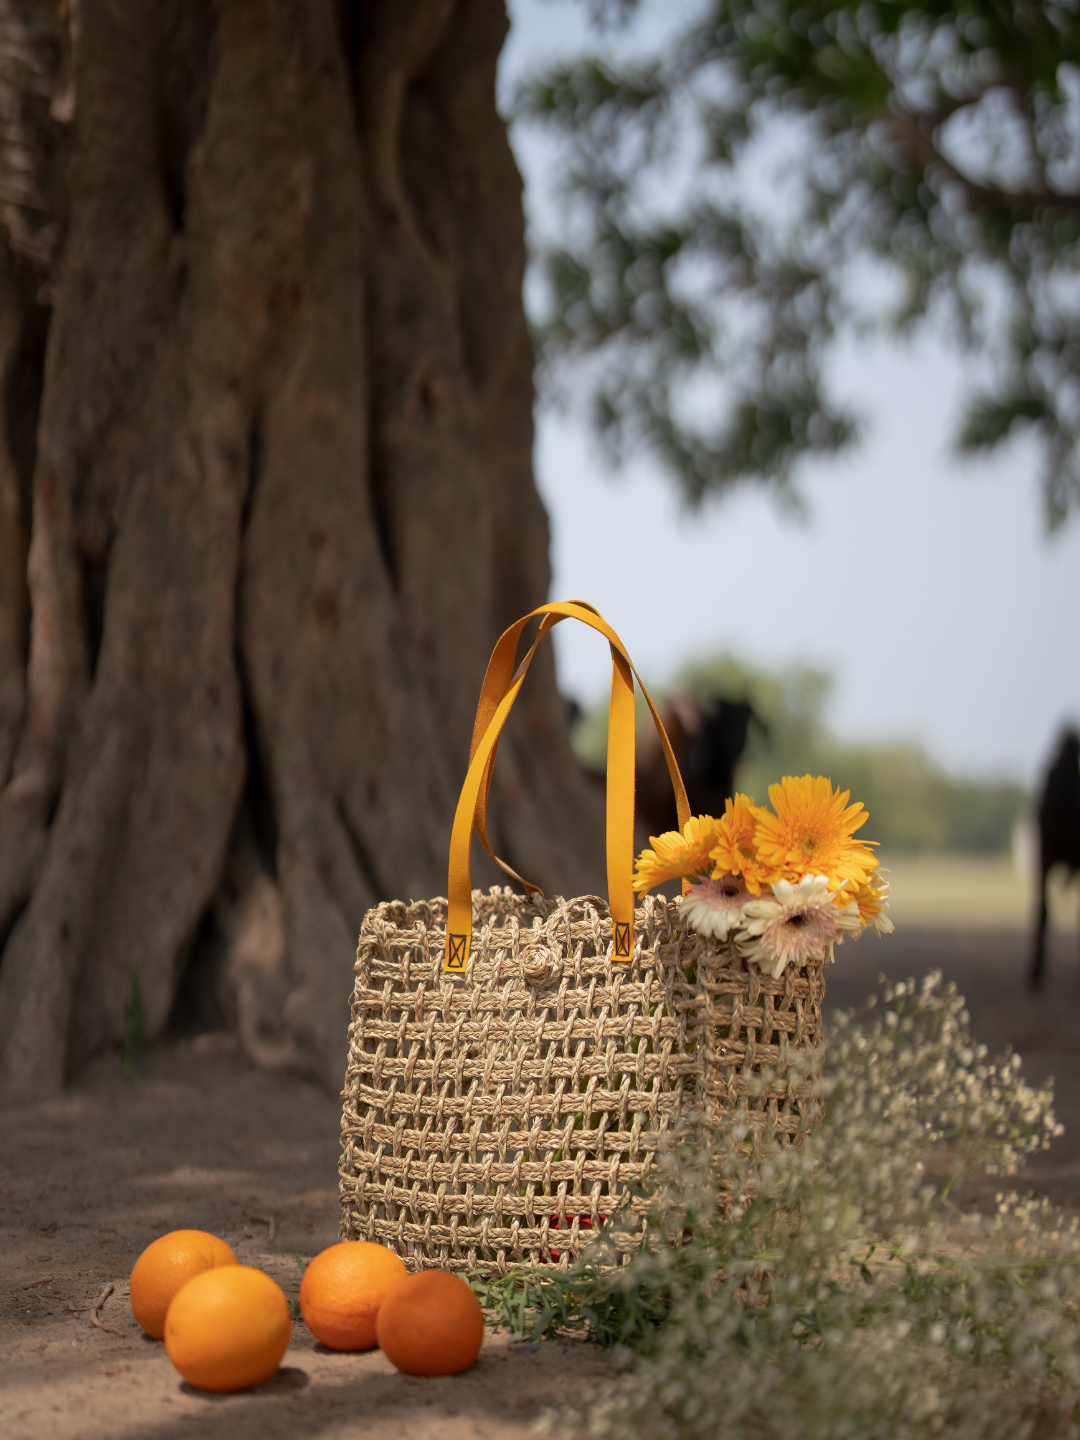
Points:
(431, 1324)
(227, 1329)
(342, 1290)
(167, 1264)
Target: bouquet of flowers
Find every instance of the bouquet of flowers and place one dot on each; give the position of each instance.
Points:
(783, 888)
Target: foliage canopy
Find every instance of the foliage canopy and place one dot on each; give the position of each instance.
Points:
(941, 138)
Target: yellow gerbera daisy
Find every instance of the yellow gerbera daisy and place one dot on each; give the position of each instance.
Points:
(810, 834)
(735, 852)
(675, 855)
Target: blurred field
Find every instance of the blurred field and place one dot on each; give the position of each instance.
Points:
(973, 892)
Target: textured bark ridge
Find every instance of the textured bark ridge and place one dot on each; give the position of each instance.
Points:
(265, 505)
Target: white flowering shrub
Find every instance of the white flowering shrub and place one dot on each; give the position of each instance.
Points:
(841, 1292)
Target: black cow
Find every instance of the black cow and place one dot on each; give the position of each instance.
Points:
(1059, 833)
(708, 742)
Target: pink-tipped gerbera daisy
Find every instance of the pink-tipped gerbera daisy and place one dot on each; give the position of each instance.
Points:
(714, 907)
(798, 924)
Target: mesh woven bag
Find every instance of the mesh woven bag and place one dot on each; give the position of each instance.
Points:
(514, 1062)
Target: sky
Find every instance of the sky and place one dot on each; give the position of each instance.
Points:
(923, 583)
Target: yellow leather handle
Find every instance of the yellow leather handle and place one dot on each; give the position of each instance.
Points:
(502, 683)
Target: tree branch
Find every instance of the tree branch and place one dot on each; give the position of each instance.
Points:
(916, 134)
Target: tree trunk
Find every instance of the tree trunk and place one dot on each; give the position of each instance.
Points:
(265, 505)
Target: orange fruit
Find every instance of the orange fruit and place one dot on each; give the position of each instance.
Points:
(431, 1324)
(342, 1290)
(227, 1329)
(164, 1266)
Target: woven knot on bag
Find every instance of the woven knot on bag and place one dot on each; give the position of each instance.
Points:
(540, 965)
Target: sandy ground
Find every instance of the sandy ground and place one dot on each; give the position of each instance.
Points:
(89, 1178)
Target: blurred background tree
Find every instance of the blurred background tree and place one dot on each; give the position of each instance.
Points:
(915, 805)
(692, 308)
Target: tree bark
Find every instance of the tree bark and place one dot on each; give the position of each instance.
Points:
(265, 505)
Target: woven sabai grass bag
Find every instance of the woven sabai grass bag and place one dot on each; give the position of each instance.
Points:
(515, 1062)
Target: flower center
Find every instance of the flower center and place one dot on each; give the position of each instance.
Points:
(811, 844)
(797, 921)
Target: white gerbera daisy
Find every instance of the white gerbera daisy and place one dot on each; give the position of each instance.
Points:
(714, 907)
(798, 924)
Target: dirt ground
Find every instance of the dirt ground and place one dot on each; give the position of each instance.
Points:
(89, 1178)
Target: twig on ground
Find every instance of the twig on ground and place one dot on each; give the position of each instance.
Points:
(270, 1221)
(98, 1306)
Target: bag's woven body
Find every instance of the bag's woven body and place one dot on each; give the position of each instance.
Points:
(489, 1122)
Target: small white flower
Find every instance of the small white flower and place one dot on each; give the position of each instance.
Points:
(714, 907)
(798, 924)
(881, 922)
